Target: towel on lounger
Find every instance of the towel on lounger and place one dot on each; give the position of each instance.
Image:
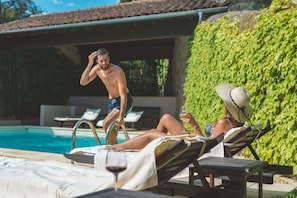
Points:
(26, 178)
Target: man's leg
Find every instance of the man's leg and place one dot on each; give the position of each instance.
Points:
(112, 116)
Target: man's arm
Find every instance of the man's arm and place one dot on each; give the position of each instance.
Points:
(122, 84)
(123, 104)
(89, 74)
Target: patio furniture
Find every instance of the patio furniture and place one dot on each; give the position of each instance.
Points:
(147, 169)
(234, 174)
(131, 117)
(172, 156)
(150, 118)
(176, 159)
(89, 114)
(122, 194)
(243, 138)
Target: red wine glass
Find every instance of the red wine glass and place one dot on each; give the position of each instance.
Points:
(116, 162)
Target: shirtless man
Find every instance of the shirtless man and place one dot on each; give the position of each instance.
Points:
(114, 80)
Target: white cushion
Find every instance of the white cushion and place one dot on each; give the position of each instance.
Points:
(133, 116)
(91, 114)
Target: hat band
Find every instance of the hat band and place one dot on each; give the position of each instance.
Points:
(240, 108)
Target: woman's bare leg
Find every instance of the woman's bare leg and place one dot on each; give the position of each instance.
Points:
(139, 142)
(168, 123)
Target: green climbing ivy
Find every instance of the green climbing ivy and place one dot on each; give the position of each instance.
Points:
(258, 51)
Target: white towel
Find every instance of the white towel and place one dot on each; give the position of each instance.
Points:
(26, 178)
(141, 170)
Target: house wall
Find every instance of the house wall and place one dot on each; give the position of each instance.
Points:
(179, 61)
(166, 104)
(49, 112)
(78, 104)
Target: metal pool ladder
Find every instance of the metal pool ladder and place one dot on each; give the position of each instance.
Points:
(77, 124)
(110, 130)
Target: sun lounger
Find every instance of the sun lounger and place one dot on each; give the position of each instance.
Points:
(171, 156)
(176, 159)
(233, 172)
(89, 114)
(131, 117)
(239, 138)
(152, 166)
(234, 143)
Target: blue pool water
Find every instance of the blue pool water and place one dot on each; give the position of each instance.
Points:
(44, 141)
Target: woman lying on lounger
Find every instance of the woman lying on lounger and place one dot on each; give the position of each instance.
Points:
(237, 111)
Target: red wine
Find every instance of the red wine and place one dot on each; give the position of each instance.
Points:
(116, 169)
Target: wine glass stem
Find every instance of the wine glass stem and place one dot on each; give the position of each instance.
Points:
(116, 182)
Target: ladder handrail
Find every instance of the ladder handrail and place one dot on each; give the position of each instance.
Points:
(110, 127)
(77, 124)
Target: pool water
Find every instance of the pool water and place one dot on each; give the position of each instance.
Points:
(45, 141)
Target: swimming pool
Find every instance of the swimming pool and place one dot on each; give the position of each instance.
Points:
(47, 139)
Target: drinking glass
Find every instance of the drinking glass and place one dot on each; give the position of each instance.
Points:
(182, 113)
(116, 162)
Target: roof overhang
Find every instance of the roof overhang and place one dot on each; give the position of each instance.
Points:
(147, 27)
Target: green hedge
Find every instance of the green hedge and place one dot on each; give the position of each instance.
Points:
(257, 51)
(31, 77)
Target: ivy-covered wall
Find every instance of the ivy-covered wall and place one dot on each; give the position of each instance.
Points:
(257, 51)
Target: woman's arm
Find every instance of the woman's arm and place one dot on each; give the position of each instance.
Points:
(191, 120)
(222, 126)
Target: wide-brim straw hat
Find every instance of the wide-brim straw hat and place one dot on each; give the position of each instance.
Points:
(237, 101)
